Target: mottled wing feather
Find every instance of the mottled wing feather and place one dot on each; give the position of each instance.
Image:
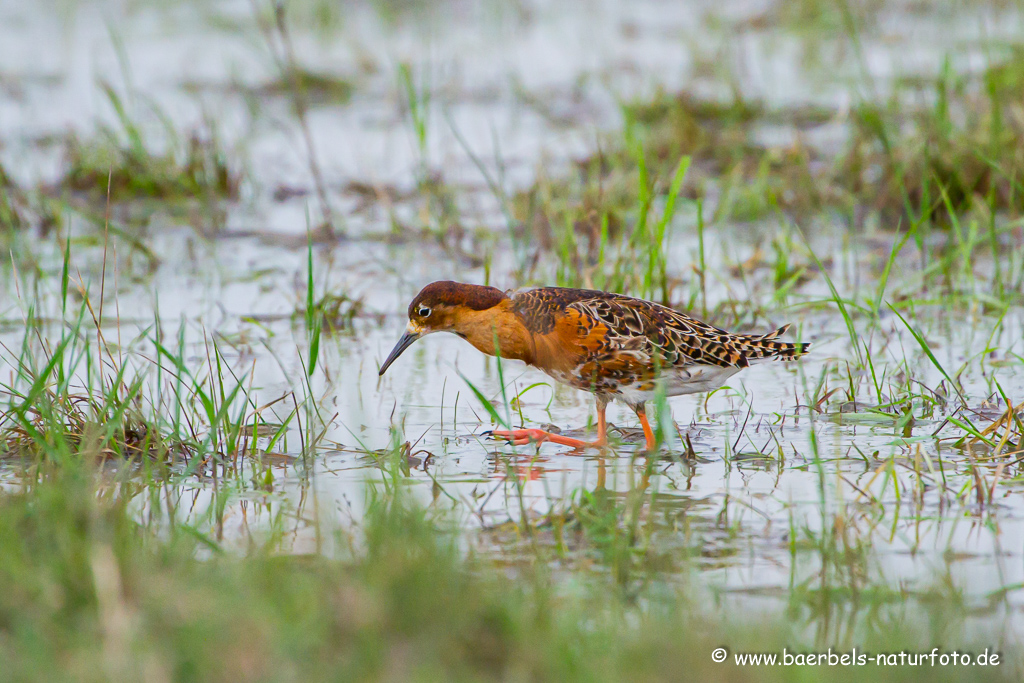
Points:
(674, 338)
(539, 309)
(620, 339)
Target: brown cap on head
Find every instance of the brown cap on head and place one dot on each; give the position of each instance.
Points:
(475, 297)
(447, 296)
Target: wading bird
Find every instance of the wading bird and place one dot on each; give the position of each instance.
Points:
(611, 345)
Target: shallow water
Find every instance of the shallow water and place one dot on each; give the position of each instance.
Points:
(767, 466)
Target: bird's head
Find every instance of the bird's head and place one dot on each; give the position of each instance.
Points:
(443, 306)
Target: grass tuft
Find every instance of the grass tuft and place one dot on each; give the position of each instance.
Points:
(123, 164)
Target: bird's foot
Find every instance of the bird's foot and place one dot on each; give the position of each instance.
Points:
(522, 437)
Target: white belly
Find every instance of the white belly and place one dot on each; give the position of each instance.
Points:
(694, 379)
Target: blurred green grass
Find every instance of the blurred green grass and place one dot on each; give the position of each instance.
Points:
(90, 594)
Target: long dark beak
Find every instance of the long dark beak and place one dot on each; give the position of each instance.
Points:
(405, 342)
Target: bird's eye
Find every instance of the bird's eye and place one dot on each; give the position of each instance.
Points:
(424, 312)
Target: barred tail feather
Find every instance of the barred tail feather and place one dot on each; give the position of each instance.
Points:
(776, 334)
(765, 347)
(789, 350)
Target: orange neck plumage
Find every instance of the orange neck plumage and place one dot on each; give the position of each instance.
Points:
(497, 324)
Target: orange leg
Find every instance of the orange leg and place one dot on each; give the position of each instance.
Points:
(648, 432)
(521, 437)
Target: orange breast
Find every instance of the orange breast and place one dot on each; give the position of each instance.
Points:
(573, 346)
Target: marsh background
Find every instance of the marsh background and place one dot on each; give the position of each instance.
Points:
(214, 214)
